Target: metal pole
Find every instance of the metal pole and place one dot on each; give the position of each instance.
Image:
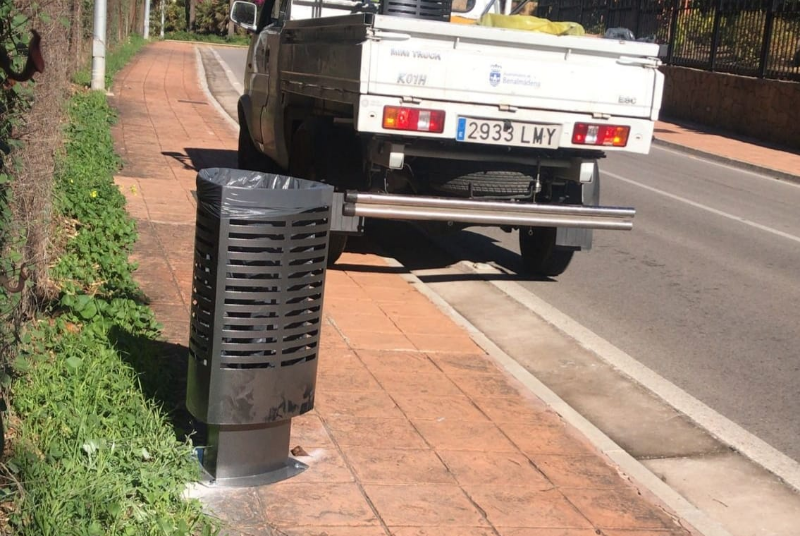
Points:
(673, 31)
(147, 19)
(163, 2)
(769, 23)
(715, 35)
(99, 46)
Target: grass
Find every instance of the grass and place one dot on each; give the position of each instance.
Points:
(115, 61)
(95, 452)
(242, 40)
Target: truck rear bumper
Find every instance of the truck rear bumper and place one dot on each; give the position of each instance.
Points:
(399, 207)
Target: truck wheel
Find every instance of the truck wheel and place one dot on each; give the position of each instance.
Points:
(488, 184)
(336, 247)
(460, 179)
(249, 157)
(303, 165)
(540, 255)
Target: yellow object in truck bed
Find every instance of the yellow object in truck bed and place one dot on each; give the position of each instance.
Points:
(455, 19)
(531, 24)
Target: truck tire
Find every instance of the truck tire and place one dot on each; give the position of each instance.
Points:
(540, 255)
(336, 246)
(472, 178)
(303, 165)
(249, 157)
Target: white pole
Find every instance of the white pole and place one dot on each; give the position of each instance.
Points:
(147, 19)
(99, 46)
(162, 17)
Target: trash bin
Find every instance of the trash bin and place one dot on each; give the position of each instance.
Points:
(261, 245)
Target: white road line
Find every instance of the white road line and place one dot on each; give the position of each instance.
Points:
(706, 208)
(228, 72)
(203, 81)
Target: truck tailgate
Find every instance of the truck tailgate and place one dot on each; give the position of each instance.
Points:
(448, 62)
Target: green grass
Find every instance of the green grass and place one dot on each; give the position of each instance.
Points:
(115, 61)
(242, 40)
(95, 449)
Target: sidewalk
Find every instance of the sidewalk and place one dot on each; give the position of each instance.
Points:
(416, 432)
(762, 159)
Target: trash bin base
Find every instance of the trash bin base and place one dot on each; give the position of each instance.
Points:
(251, 455)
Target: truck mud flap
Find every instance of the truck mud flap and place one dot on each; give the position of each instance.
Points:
(341, 223)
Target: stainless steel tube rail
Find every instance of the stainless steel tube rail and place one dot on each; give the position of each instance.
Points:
(399, 207)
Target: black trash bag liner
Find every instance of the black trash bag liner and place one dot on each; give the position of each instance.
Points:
(622, 34)
(237, 193)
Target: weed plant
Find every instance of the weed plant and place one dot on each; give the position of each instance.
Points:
(115, 61)
(95, 453)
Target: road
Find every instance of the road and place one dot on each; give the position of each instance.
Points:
(694, 293)
(704, 290)
(235, 58)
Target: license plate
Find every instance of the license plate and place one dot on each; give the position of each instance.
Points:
(511, 133)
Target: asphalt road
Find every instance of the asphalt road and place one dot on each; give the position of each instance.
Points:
(704, 290)
(235, 58)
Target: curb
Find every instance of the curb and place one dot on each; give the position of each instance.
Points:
(203, 81)
(684, 510)
(772, 173)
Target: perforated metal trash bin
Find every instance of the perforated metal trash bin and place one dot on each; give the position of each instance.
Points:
(261, 245)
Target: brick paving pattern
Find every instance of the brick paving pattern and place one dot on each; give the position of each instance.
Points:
(416, 432)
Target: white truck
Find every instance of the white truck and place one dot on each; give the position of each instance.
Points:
(412, 116)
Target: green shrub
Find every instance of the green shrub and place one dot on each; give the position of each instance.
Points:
(95, 450)
(242, 40)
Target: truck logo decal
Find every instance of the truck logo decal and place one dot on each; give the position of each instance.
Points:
(421, 55)
(408, 79)
(416, 54)
(495, 74)
(497, 77)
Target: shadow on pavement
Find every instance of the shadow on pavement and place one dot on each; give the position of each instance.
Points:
(182, 158)
(418, 250)
(198, 158)
(349, 267)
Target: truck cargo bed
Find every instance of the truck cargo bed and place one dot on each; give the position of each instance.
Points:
(345, 58)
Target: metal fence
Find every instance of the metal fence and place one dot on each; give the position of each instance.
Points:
(746, 37)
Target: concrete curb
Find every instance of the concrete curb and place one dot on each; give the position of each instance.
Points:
(231, 77)
(682, 508)
(778, 175)
(203, 81)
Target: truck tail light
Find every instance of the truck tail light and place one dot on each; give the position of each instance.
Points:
(609, 135)
(402, 118)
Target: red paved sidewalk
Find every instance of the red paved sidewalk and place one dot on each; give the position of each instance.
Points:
(416, 431)
(727, 148)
